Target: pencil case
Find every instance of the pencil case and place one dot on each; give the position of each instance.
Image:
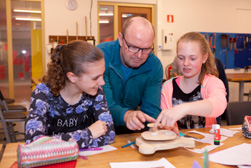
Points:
(45, 151)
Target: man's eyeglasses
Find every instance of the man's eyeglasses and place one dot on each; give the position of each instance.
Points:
(137, 49)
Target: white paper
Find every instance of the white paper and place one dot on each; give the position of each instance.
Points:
(106, 148)
(143, 164)
(209, 148)
(239, 128)
(225, 132)
(208, 138)
(237, 155)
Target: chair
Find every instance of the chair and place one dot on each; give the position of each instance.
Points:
(6, 130)
(7, 120)
(9, 100)
(10, 108)
(236, 112)
(8, 117)
(249, 95)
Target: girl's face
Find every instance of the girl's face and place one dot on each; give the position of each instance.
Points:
(92, 79)
(190, 58)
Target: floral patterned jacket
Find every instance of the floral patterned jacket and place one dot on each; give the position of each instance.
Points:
(52, 116)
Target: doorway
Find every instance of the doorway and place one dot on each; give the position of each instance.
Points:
(112, 16)
(127, 11)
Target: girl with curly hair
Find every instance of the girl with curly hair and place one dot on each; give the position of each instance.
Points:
(70, 102)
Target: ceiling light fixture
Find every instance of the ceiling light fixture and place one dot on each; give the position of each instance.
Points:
(29, 19)
(105, 14)
(126, 15)
(104, 21)
(27, 11)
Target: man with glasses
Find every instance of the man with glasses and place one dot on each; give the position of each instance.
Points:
(133, 76)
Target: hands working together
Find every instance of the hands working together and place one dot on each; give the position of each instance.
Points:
(167, 119)
(135, 119)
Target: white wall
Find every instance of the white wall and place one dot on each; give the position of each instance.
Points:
(194, 15)
(58, 19)
(230, 16)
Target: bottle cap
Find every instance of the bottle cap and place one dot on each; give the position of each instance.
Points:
(215, 126)
(216, 142)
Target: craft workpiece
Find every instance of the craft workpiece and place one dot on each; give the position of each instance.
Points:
(159, 135)
(149, 142)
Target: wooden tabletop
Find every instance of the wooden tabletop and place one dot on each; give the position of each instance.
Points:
(237, 77)
(1, 148)
(179, 157)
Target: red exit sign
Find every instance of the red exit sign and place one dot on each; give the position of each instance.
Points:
(169, 18)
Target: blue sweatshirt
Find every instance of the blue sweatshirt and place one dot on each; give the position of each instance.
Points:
(142, 88)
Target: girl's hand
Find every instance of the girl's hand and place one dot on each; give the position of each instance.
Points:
(168, 118)
(176, 130)
(98, 129)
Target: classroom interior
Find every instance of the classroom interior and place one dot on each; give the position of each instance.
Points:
(226, 24)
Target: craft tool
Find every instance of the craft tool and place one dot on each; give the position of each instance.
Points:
(152, 125)
(132, 146)
(90, 149)
(85, 28)
(188, 136)
(129, 144)
(196, 164)
(76, 30)
(82, 157)
(67, 36)
(205, 160)
(213, 41)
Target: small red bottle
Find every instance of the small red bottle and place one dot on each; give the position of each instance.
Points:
(217, 136)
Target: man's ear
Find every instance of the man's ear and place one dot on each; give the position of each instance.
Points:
(120, 37)
(71, 76)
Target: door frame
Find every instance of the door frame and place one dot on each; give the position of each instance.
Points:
(115, 15)
(133, 10)
(10, 44)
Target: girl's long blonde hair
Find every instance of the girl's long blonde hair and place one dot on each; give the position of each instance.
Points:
(209, 67)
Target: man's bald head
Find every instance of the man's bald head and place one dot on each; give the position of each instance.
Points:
(136, 21)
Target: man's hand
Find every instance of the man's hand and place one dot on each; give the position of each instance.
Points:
(98, 129)
(134, 119)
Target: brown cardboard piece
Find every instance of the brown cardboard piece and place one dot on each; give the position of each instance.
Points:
(147, 146)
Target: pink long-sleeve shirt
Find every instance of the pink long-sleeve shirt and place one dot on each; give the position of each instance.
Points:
(212, 89)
